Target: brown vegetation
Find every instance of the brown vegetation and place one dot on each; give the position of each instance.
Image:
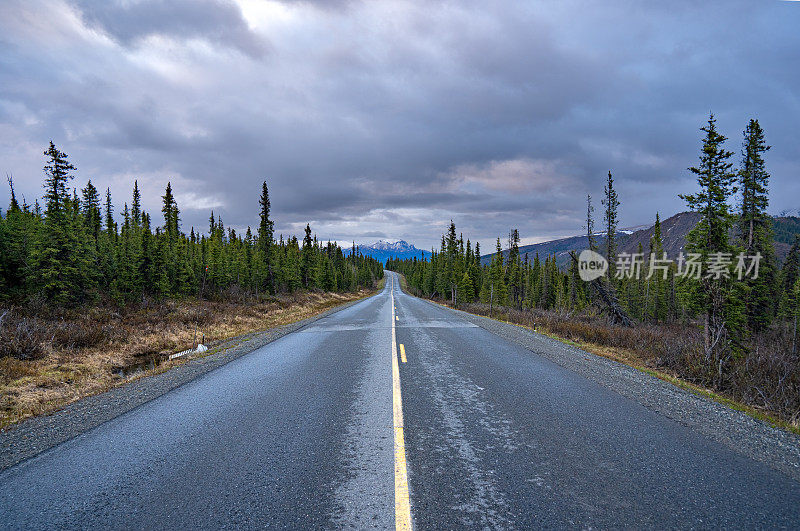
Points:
(49, 361)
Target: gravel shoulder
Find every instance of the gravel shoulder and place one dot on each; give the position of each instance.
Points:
(35, 435)
(744, 434)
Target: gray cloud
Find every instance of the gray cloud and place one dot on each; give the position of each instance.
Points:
(392, 118)
(131, 21)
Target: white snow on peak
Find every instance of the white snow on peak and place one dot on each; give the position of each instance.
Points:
(391, 245)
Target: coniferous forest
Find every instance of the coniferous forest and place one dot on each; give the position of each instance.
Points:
(92, 295)
(733, 332)
(72, 250)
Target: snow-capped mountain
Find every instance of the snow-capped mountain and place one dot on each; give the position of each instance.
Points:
(382, 250)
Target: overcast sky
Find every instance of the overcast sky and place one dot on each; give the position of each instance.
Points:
(387, 119)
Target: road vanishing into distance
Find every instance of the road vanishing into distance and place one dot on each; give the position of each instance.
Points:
(394, 412)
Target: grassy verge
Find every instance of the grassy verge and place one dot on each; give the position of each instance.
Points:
(403, 283)
(49, 362)
(653, 350)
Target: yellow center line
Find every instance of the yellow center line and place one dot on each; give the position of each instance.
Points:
(402, 353)
(402, 504)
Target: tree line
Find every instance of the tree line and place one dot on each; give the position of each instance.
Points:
(72, 251)
(733, 206)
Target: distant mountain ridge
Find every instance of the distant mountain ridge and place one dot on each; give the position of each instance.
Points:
(382, 250)
(673, 234)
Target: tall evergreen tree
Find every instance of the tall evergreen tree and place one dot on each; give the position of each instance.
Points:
(465, 289)
(136, 205)
(168, 251)
(656, 292)
(497, 277)
(20, 229)
(171, 214)
(265, 238)
(716, 181)
(590, 223)
(611, 203)
(91, 211)
(307, 259)
(514, 269)
(110, 225)
(107, 250)
(54, 253)
(294, 279)
(709, 238)
(755, 227)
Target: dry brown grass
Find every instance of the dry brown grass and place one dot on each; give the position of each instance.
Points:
(48, 362)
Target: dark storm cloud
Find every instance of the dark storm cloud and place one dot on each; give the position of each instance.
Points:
(389, 119)
(130, 21)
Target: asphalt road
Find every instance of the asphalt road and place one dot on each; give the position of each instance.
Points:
(299, 434)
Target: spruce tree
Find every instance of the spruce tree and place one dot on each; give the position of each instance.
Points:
(611, 202)
(128, 258)
(84, 255)
(171, 213)
(656, 294)
(451, 276)
(265, 238)
(535, 282)
(465, 288)
(590, 224)
(574, 284)
(91, 211)
(160, 283)
(294, 280)
(716, 181)
(709, 238)
(20, 229)
(111, 227)
(514, 269)
(755, 227)
(107, 250)
(184, 274)
(169, 208)
(307, 259)
(136, 205)
(497, 275)
(148, 274)
(54, 253)
(429, 276)
(753, 183)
